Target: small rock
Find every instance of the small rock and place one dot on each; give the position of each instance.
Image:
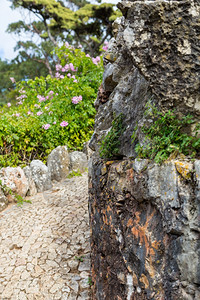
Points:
(41, 175)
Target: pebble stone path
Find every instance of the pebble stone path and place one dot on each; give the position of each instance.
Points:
(44, 246)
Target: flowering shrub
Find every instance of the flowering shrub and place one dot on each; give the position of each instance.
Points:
(51, 111)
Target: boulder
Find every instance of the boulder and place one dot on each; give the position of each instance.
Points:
(78, 161)
(32, 190)
(58, 163)
(40, 175)
(15, 179)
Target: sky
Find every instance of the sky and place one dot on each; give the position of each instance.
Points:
(7, 40)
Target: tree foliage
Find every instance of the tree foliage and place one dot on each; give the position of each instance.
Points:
(90, 24)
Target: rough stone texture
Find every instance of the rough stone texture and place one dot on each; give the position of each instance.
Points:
(3, 201)
(162, 37)
(78, 161)
(32, 188)
(15, 179)
(154, 55)
(145, 229)
(44, 246)
(58, 163)
(41, 175)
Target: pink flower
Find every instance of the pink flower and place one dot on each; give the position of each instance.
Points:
(62, 76)
(66, 44)
(20, 102)
(21, 97)
(54, 122)
(9, 104)
(37, 105)
(17, 115)
(73, 77)
(39, 113)
(50, 113)
(29, 112)
(12, 79)
(46, 126)
(87, 55)
(63, 124)
(105, 48)
(77, 99)
(51, 92)
(57, 75)
(96, 60)
(69, 75)
(75, 80)
(58, 67)
(80, 46)
(41, 98)
(72, 67)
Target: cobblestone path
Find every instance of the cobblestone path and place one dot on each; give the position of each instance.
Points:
(44, 246)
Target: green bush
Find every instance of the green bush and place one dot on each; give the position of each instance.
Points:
(51, 111)
(167, 135)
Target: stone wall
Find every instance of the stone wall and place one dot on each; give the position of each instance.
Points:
(145, 229)
(144, 217)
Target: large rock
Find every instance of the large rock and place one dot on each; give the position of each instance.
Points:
(58, 163)
(145, 230)
(78, 161)
(41, 175)
(32, 190)
(15, 179)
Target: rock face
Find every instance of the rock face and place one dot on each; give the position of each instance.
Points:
(154, 56)
(41, 175)
(58, 163)
(15, 179)
(144, 217)
(145, 229)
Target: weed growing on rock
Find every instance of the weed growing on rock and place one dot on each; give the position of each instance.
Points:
(110, 144)
(166, 136)
(74, 173)
(79, 258)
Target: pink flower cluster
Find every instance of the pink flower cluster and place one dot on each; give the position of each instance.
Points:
(66, 68)
(96, 60)
(46, 126)
(76, 99)
(16, 115)
(9, 104)
(63, 124)
(41, 98)
(105, 47)
(39, 113)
